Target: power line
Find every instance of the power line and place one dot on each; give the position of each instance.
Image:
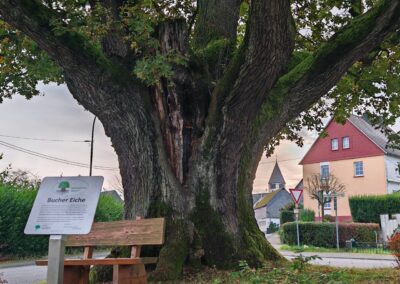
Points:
(55, 159)
(52, 158)
(43, 139)
(280, 161)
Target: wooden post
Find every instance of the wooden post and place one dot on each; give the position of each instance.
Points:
(130, 274)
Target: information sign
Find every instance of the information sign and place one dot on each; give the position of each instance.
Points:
(64, 206)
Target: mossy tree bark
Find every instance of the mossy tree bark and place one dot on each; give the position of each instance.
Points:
(188, 147)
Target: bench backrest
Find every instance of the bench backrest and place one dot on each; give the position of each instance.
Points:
(122, 233)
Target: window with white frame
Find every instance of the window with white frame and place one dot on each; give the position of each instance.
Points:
(335, 144)
(358, 169)
(346, 142)
(324, 170)
(327, 201)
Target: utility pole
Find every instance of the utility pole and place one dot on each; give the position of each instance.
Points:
(91, 147)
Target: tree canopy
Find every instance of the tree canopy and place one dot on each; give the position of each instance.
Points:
(371, 84)
(191, 94)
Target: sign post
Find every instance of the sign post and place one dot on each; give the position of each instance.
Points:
(55, 268)
(335, 196)
(296, 195)
(63, 206)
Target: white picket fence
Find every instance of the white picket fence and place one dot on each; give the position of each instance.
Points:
(389, 225)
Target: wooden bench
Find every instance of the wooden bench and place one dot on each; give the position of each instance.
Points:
(132, 233)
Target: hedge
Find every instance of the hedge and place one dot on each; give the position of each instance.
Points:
(324, 234)
(367, 209)
(307, 215)
(16, 204)
(286, 216)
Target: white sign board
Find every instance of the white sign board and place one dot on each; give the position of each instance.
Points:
(64, 206)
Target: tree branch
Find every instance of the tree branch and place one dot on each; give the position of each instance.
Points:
(113, 43)
(315, 76)
(67, 48)
(216, 19)
(305, 84)
(271, 41)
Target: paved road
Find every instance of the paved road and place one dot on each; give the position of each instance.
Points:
(26, 274)
(346, 260)
(357, 260)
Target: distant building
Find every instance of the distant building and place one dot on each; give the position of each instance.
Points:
(267, 209)
(257, 196)
(276, 181)
(300, 185)
(359, 156)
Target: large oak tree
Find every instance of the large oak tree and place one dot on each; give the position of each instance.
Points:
(191, 93)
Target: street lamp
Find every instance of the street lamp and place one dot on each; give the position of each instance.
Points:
(91, 147)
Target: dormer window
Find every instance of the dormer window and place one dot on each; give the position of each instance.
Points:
(335, 144)
(346, 142)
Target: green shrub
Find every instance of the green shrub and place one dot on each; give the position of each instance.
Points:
(108, 209)
(324, 234)
(272, 228)
(367, 209)
(329, 218)
(361, 232)
(15, 207)
(286, 216)
(16, 204)
(307, 215)
(290, 206)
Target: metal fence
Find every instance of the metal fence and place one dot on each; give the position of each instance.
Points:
(363, 247)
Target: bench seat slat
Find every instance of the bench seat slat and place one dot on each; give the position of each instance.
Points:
(104, 261)
(122, 233)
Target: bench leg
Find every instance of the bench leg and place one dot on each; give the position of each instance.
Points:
(129, 274)
(76, 274)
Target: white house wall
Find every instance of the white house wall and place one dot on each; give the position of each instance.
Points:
(389, 225)
(260, 213)
(392, 174)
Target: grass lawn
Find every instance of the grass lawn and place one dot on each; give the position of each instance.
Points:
(320, 249)
(291, 275)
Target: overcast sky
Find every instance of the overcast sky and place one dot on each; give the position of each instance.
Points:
(56, 115)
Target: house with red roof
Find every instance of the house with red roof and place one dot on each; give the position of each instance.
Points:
(358, 154)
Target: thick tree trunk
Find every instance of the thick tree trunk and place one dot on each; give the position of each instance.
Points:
(203, 226)
(170, 164)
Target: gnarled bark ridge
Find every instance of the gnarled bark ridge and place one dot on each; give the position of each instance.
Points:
(188, 147)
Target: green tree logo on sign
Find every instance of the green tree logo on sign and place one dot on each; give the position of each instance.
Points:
(63, 185)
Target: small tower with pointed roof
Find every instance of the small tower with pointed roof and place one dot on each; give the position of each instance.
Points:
(276, 181)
